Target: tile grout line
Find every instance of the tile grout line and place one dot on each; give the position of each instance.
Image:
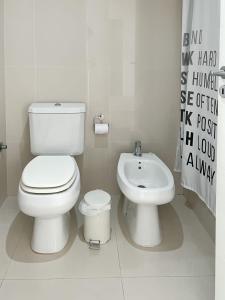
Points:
(168, 276)
(35, 86)
(108, 277)
(118, 255)
(61, 278)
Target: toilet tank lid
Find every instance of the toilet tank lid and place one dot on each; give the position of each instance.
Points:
(57, 108)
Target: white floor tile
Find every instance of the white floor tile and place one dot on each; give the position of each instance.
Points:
(8, 211)
(186, 250)
(75, 261)
(80, 273)
(4, 256)
(69, 289)
(169, 288)
(11, 228)
(10, 203)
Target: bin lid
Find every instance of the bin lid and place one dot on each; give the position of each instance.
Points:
(97, 199)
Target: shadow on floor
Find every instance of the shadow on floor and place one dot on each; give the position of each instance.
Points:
(171, 229)
(23, 251)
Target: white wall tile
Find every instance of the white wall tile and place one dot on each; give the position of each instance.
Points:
(19, 93)
(18, 155)
(19, 32)
(61, 83)
(59, 31)
(106, 53)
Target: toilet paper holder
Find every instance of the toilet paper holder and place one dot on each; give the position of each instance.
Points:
(100, 125)
(99, 119)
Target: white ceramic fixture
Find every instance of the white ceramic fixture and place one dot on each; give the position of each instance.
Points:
(96, 207)
(50, 183)
(146, 183)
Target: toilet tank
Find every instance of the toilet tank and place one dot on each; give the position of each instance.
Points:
(57, 128)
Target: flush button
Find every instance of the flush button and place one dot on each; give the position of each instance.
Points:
(58, 104)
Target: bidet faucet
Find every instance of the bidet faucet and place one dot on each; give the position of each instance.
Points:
(137, 148)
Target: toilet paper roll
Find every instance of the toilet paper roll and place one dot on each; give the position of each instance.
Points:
(101, 128)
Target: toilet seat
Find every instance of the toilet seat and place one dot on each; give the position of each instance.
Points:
(47, 190)
(49, 174)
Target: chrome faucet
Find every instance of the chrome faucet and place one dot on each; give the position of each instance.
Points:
(137, 148)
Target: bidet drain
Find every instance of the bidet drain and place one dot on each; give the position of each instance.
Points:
(142, 186)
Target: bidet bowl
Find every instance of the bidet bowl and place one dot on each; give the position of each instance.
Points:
(145, 179)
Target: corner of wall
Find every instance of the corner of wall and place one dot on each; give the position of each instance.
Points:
(3, 191)
(202, 212)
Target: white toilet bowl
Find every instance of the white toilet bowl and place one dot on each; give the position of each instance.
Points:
(146, 183)
(49, 188)
(50, 183)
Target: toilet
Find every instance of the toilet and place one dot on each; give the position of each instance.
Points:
(146, 183)
(50, 183)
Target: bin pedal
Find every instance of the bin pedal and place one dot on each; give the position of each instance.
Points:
(94, 244)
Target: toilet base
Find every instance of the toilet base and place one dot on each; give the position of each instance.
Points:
(50, 235)
(143, 223)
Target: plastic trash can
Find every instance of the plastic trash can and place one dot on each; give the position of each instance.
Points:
(96, 207)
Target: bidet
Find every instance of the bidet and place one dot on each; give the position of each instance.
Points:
(146, 182)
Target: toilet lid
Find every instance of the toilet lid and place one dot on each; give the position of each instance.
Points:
(49, 171)
(54, 190)
(97, 199)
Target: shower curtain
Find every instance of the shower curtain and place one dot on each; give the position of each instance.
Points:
(196, 149)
